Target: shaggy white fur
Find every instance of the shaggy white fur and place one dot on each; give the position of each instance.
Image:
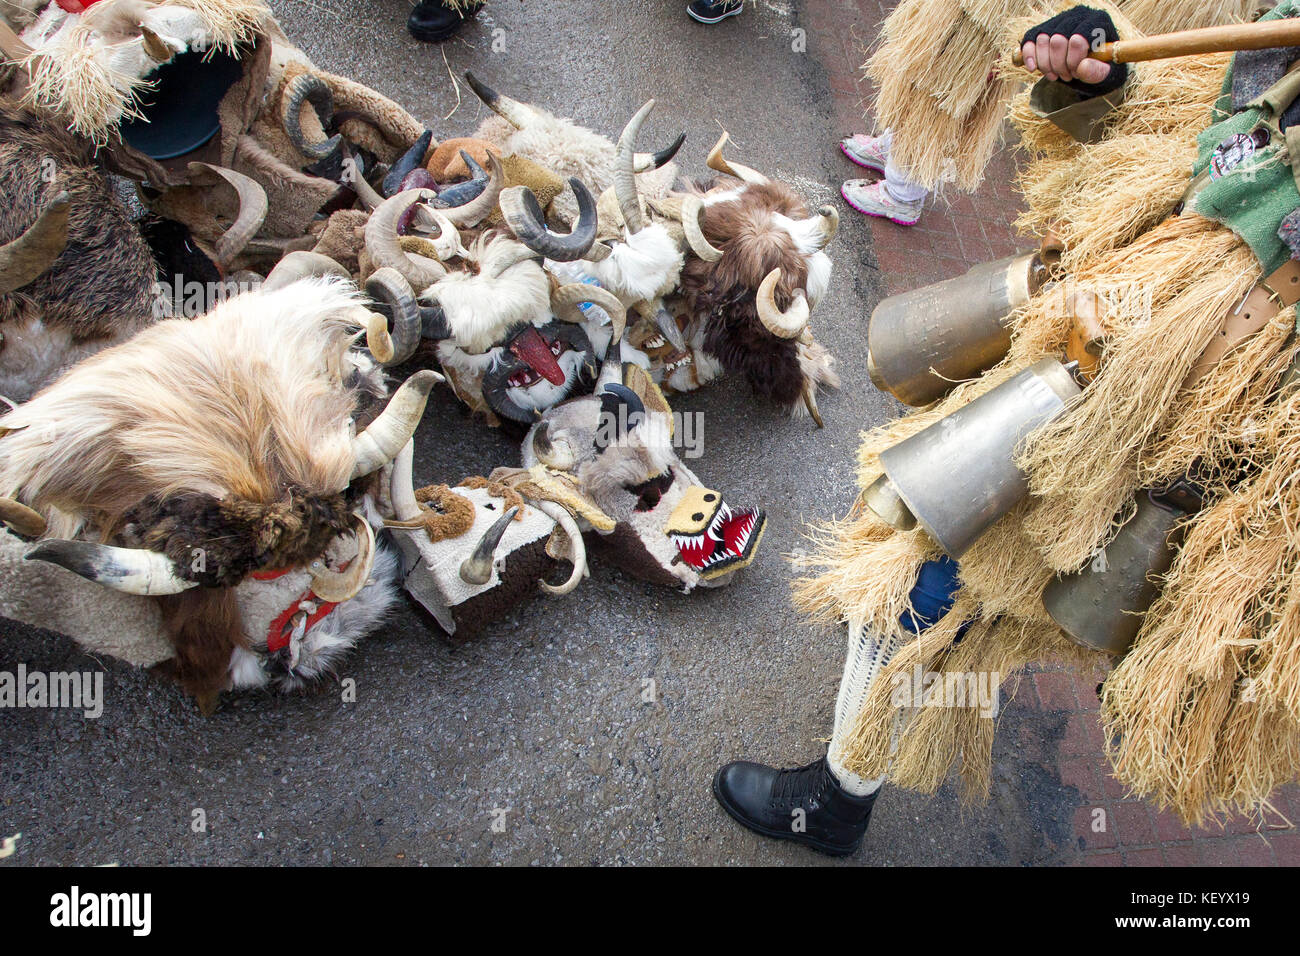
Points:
(481, 307)
(642, 268)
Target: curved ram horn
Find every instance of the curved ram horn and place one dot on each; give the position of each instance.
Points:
(129, 570)
(477, 568)
(513, 112)
(407, 162)
(787, 324)
(565, 521)
(339, 586)
(743, 173)
(566, 299)
(302, 265)
(548, 453)
(388, 287)
(26, 259)
(477, 209)
(384, 437)
(154, 47)
(692, 209)
(625, 171)
(307, 88)
(252, 212)
(21, 519)
(829, 225)
(644, 162)
(524, 216)
(384, 246)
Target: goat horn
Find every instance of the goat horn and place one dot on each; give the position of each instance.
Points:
(477, 209)
(787, 324)
(566, 299)
(830, 225)
(252, 212)
(154, 47)
(310, 89)
(523, 214)
(598, 252)
(743, 173)
(625, 171)
(380, 442)
(405, 163)
(339, 586)
(565, 521)
(129, 570)
(513, 112)
(810, 402)
(644, 162)
(385, 248)
(360, 185)
(402, 485)
(388, 287)
(21, 519)
(302, 265)
(692, 209)
(477, 568)
(27, 258)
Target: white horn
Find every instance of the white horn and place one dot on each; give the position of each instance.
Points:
(787, 324)
(129, 570)
(383, 439)
(565, 521)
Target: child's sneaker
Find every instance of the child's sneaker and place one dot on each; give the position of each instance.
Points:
(714, 11)
(873, 199)
(865, 151)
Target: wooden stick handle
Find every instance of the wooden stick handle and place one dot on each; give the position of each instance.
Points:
(1238, 36)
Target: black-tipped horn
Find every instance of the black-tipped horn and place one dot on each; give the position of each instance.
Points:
(524, 216)
(408, 161)
(648, 161)
(477, 568)
(624, 405)
(433, 323)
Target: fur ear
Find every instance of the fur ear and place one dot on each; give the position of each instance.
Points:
(638, 380)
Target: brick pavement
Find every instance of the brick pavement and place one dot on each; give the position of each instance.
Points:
(956, 232)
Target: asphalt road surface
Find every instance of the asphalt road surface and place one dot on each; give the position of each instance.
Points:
(541, 724)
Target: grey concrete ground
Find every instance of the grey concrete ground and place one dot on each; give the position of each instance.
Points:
(544, 716)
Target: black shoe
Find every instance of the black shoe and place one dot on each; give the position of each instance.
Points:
(766, 800)
(714, 11)
(433, 21)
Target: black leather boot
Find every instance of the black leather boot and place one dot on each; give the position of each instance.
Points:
(433, 21)
(769, 801)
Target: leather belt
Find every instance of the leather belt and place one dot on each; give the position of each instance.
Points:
(1271, 295)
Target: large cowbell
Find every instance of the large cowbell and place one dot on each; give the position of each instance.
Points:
(922, 343)
(959, 475)
(1102, 606)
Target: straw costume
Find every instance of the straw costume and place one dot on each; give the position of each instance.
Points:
(1177, 225)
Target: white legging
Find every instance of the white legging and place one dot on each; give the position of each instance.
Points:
(868, 653)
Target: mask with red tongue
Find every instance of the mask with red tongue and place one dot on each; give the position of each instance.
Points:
(532, 347)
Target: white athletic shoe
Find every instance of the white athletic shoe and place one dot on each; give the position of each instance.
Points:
(865, 151)
(873, 199)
